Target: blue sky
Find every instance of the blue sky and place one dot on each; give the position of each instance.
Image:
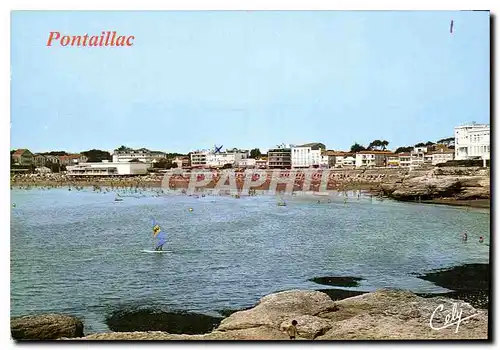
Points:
(247, 79)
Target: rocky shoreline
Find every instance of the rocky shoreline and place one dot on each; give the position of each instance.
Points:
(327, 314)
(383, 314)
(461, 186)
(450, 186)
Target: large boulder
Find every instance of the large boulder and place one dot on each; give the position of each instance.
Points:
(45, 327)
(272, 310)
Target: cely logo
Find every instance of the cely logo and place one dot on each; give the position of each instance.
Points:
(453, 317)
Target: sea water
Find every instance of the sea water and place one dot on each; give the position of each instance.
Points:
(81, 252)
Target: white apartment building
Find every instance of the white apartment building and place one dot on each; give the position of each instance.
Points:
(125, 155)
(472, 141)
(369, 159)
(301, 157)
(211, 159)
(199, 158)
(307, 156)
(442, 156)
(348, 161)
(417, 159)
(404, 160)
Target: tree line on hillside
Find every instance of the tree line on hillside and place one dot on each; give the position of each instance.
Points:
(381, 145)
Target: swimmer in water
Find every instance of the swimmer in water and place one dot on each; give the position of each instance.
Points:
(481, 239)
(464, 236)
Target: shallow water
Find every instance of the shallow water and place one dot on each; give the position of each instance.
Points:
(80, 252)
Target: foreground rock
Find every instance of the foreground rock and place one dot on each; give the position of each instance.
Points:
(45, 327)
(384, 314)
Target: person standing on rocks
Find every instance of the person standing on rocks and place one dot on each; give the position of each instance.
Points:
(292, 330)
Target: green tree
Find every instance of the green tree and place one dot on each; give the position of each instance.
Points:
(357, 148)
(374, 145)
(404, 149)
(378, 145)
(96, 155)
(447, 141)
(255, 153)
(163, 164)
(55, 153)
(429, 143)
(420, 144)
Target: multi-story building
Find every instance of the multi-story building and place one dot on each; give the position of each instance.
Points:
(280, 158)
(217, 159)
(327, 159)
(341, 159)
(442, 156)
(144, 155)
(428, 158)
(417, 159)
(71, 159)
(472, 141)
(39, 160)
(404, 160)
(261, 163)
(52, 159)
(369, 159)
(393, 161)
(23, 157)
(307, 156)
(220, 159)
(199, 158)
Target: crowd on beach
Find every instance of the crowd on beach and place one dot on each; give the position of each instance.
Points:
(337, 182)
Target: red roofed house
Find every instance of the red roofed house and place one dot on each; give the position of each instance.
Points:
(404, 160)
(23, 157)
(71, 159)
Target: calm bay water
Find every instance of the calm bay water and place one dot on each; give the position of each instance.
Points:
(81, 252)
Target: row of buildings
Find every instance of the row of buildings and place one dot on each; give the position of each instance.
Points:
(311, 156)
(25, 158)
(471, 142)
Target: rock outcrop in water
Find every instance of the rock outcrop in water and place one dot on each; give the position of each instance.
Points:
(127, 320)
(384, 314)
(45, 327)
(343, 281)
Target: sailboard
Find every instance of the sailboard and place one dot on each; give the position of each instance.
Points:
(159, 239)
(156, 251)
